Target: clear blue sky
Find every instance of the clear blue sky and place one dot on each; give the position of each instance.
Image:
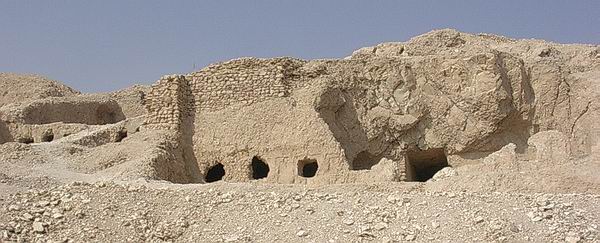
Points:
(107, 45)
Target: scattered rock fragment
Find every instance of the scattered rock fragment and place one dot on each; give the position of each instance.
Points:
(572, 237)
(348, 221)
(381, 226)
(38, 227)
(28, 216)
(302, 233)
(478, 219)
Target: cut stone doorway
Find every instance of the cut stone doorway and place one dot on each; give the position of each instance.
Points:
(421, 165)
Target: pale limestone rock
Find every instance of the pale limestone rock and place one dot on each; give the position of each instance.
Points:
(550, 147)
(38, 227)
(505, 158)
(444, 173)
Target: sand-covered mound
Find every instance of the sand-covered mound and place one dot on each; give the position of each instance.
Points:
(22, 87)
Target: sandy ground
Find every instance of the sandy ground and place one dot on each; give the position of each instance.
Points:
(40, 209)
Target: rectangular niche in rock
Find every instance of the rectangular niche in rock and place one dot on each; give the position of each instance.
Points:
(421, 165)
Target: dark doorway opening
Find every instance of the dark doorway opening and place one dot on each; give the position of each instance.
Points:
(308, 167)
(260, 169)
(48, 137)
(421, 165)
(364, 161)
(122, 134)
(215, 173)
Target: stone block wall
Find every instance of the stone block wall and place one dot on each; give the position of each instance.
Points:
(242, 81)
(168, 102)
(237, 82)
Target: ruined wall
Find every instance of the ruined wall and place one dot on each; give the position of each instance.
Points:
(48, 119)
(249, 108)
(438, 94)
(34, 133)
(131, 100)
(242, 81)
(92, 111)
(170, 106)
(168, 103)
(347, 115)
(279, 132)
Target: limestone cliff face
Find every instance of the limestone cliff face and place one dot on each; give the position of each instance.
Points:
(557, 80)
(462, 94)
